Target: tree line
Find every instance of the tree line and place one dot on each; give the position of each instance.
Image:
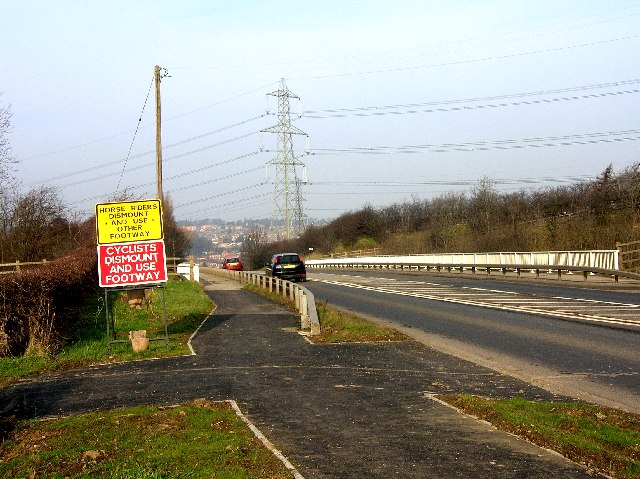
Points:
(592, 214)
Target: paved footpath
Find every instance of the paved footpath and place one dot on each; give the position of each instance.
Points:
(335, 411)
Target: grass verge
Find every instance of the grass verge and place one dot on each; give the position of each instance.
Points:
(338, 326)
(194, 440)
(270, 295)
(187, 306)
(602, 439)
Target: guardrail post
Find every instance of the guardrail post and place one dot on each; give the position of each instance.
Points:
(304, 311)
(296, 295)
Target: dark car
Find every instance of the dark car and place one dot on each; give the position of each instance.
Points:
(233, 264)
(287, 266)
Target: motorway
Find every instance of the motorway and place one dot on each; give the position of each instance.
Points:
(575, 342)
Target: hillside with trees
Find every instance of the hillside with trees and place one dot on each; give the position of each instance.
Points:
(587, 215)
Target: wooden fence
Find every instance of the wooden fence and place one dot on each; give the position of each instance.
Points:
(18, 266)
(629, 255)
(357, 253)
(177, 267)
(173, 267)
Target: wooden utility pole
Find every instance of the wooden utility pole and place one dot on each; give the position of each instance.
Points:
(158, 136)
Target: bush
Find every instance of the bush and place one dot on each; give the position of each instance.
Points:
(39, 307)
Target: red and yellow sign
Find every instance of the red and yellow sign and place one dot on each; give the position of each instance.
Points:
(130, 244)
(127, 264)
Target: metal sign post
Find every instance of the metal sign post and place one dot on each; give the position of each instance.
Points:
(111, 320)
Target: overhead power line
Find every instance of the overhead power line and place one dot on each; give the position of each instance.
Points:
(179, 175)
(149, 164)
(338, 111)
(383, 109)
(135, 134)
(538, 142)
(596, 86)
(378, 55)
(472, 60)
(219, 195)
(498, 181)
(230, 205)
(164, 147)
(477, 107)
(202, 183)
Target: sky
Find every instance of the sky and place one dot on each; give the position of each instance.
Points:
(401, 101)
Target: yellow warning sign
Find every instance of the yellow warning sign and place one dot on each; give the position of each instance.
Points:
(129, 221)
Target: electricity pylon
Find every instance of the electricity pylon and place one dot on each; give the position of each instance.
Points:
(287, 199)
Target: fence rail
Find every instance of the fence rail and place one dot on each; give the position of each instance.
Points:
(355, 253)
(629, 255)
(301, 296)
(594, 258)
(17, 266)
(185, 267)
(559, 270)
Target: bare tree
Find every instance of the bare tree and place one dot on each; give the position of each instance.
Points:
(254, 254)
(176, 240)
(484, 200)
(37, 227)
(629, 184)
(8, 186)
(602, 198)
(6, 155)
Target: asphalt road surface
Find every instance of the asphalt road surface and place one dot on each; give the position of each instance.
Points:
(576, 342)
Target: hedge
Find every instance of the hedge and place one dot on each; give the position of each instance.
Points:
(39, 307)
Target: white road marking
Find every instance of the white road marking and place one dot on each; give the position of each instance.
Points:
(606, 312)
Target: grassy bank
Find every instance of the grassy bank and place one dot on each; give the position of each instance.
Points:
(199, 439)
(602, 439)
(186, 303)
(338, 326)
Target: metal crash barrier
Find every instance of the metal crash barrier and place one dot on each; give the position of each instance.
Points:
(384, 263)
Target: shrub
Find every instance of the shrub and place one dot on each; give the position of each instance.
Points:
(39, 307)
